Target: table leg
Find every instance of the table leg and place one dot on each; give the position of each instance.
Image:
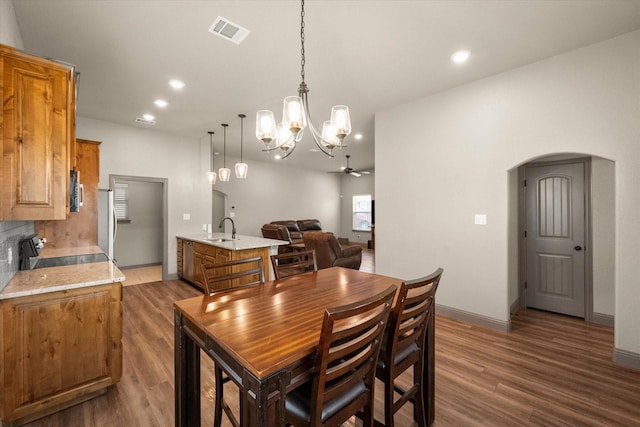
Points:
(263, 401)
(187, 376)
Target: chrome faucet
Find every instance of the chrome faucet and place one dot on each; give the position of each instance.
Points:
(233, 226)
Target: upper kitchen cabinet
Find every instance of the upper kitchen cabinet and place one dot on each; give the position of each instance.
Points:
(37, 136)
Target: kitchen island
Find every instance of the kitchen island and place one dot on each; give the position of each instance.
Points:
(61, 337)
(194, 250)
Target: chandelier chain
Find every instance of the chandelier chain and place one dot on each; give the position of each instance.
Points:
(302, 60)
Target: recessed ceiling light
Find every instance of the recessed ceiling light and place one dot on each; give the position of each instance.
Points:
(460, 56)
(277, 157)
(160, 103)
(358, 136)
(176, 84)
(149, 117)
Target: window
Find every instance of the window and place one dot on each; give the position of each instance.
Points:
(362, 212)
(121, 201)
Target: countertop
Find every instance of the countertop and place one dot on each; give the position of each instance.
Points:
(241, 242)
(53, 279)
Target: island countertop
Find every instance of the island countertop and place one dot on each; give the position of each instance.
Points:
(52, 279)
(241, 242)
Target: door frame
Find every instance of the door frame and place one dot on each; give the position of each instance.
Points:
(165, 209)
(522, 247)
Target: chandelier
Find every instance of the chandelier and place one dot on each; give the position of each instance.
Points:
(296, 117)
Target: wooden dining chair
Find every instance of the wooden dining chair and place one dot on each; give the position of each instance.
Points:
(292, 263)
(248, 272)
(404, 346)
(343, 378)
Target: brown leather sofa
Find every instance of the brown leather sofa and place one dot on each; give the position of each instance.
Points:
(278, 232)
(294, 229)
(309, 225)
(329, 253)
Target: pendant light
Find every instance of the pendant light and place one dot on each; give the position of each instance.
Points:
(296, 117)
(211, 175)
(224, 172)
(241, 168)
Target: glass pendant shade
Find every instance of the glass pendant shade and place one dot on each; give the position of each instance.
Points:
(265, 126)
(225, 174)
(241, 170)
(329, 138)
(211, 176)
(341, 120)
(293, 114)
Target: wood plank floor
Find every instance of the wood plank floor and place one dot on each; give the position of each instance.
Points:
(550, 371)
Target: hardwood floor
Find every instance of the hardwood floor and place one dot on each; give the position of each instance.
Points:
(551, 370)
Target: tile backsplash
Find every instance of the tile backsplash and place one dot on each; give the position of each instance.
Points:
(11, 232)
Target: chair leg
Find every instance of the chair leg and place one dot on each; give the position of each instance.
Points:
(219, 391)
(418, 401)
(388, 400)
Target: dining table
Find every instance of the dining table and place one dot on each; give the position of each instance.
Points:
(264, 337)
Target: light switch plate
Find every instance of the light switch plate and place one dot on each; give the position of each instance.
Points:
(186, 216)
(481, 219)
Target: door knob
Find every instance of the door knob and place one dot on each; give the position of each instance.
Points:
(578, 248)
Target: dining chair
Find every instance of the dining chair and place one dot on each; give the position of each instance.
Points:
(252, 270)
(248, 271)
(404, 346)
(292, 263)
(343, 377)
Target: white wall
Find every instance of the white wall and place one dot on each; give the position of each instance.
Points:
(457, 148)
(9, 31)
(269, 193)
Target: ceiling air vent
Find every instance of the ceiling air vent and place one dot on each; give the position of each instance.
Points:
(228, 30)
(145, 121)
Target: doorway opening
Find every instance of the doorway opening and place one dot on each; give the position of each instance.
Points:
(566, 241)
(141, 238)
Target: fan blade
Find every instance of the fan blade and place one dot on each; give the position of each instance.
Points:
(355, 174)
(365, 172)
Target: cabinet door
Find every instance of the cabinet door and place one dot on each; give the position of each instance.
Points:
(37, 100)
(58, 348)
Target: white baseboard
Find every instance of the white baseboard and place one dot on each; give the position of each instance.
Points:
(602, 319)
(474, 318)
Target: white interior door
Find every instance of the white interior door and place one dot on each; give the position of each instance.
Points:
(555, 235)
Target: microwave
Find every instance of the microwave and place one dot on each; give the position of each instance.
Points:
(76, 191)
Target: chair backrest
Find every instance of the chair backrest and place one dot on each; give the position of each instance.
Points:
(292, 263)
(347, 353)
(242, 272)
(408, 320)
(326, 246)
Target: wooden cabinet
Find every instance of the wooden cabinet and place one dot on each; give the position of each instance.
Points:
(80, 228)
(58, 349)
(192, 254)
(36, 136)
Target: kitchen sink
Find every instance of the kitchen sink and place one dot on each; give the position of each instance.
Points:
(220, 240)
(71, 260)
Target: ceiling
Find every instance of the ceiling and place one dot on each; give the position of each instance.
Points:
(369, 55)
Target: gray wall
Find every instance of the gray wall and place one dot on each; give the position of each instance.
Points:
(465, 144)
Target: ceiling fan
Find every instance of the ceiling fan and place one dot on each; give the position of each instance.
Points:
(347, 170)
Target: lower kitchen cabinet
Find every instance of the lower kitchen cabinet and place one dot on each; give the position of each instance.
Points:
(192, 254)
(58, 349)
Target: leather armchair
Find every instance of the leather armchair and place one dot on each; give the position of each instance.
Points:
(278, 232)
(309, 225)
(294, 230)
(329, 253)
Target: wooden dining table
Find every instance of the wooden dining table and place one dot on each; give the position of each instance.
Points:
(264, 337)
